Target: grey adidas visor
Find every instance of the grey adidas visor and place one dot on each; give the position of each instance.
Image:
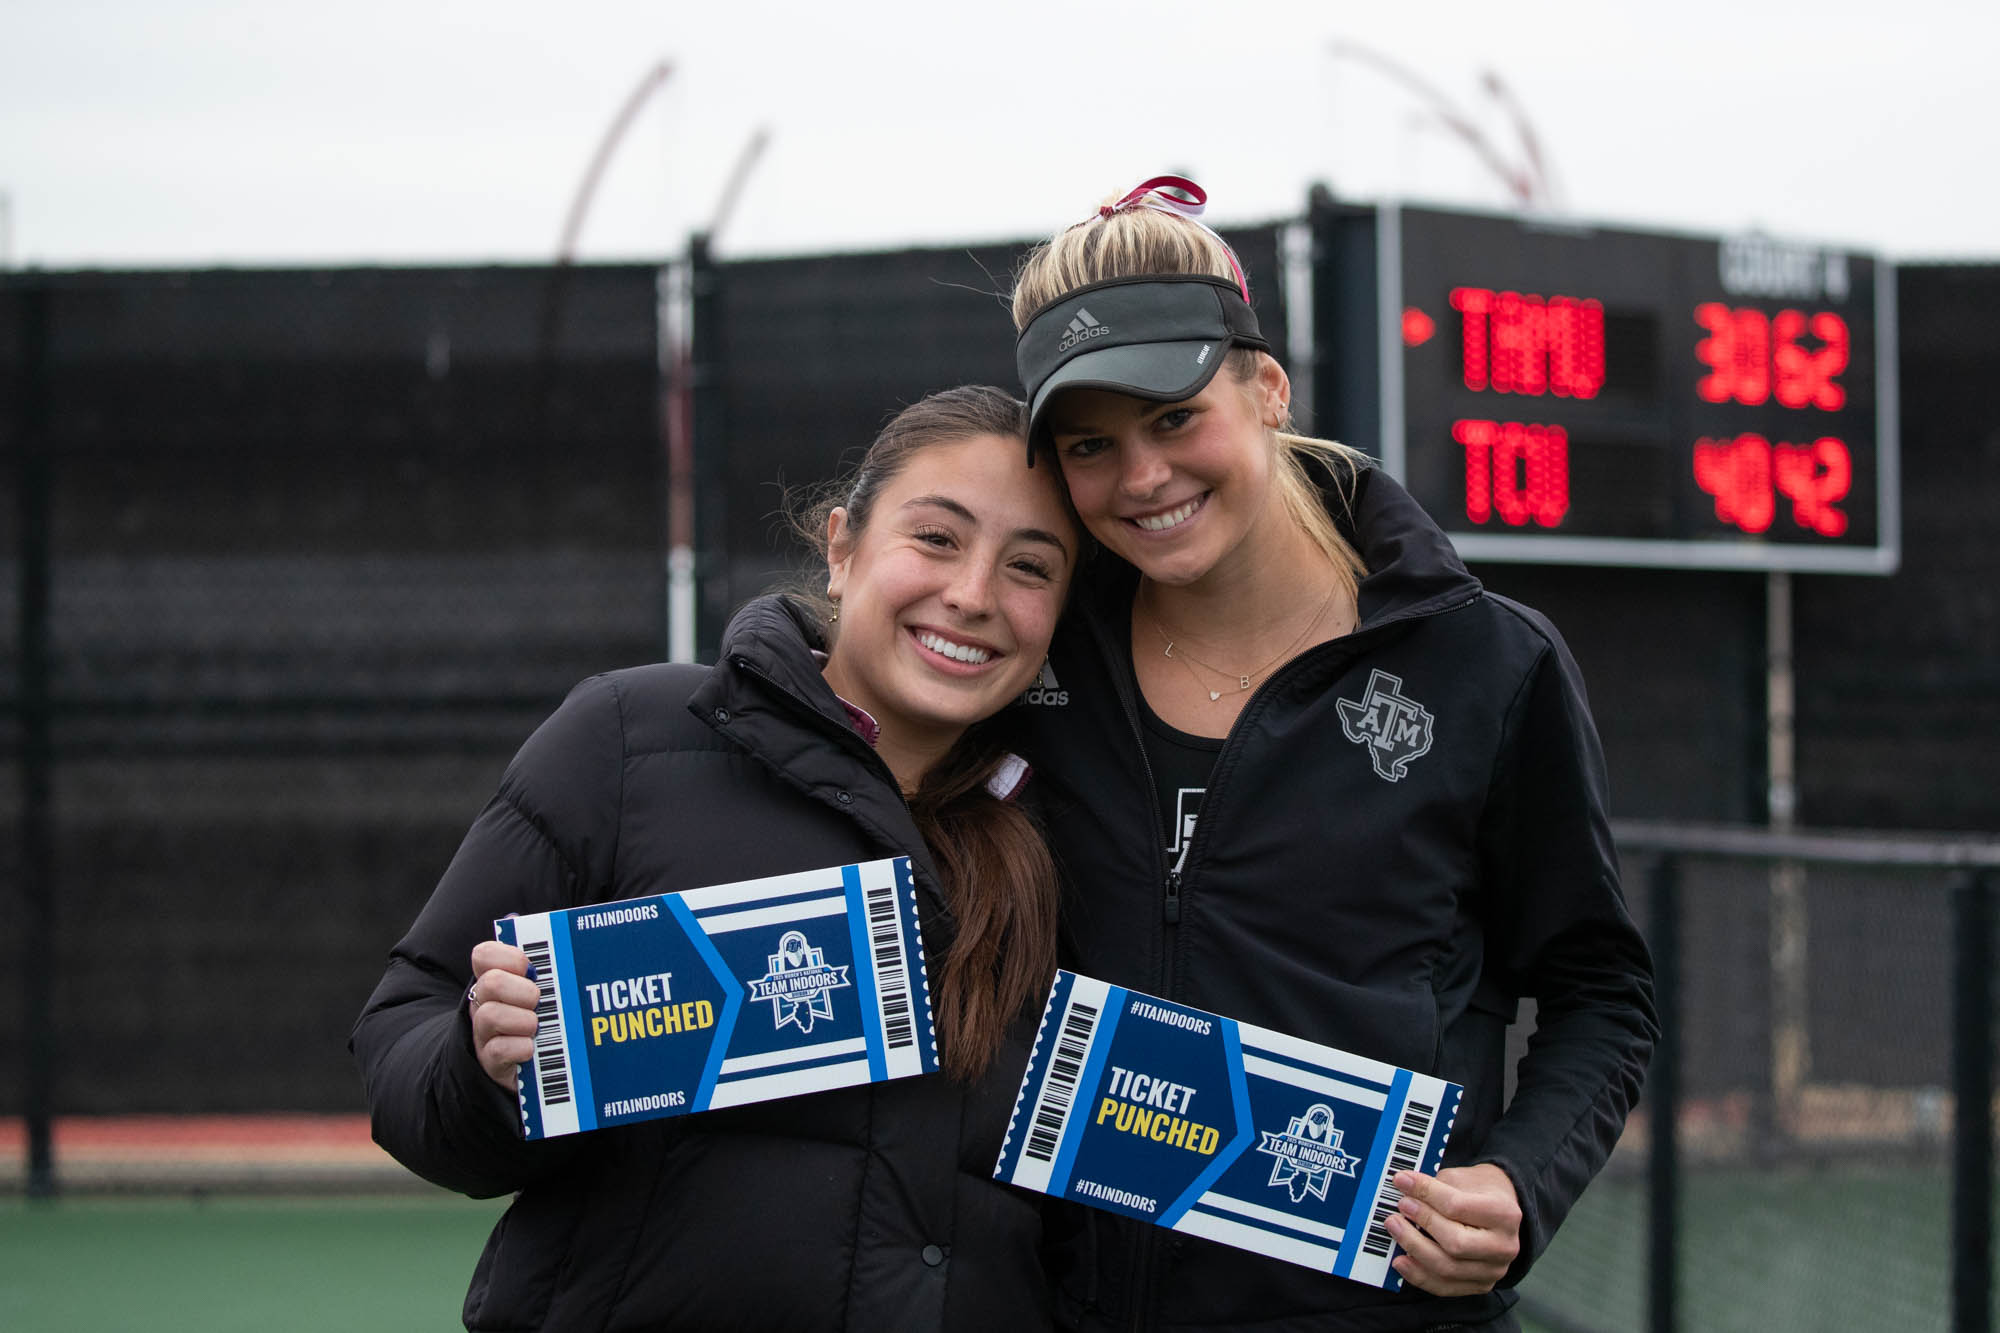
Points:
(1158, 337)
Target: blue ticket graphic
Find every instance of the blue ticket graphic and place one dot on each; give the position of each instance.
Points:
(1246, 1136)
(720, 996)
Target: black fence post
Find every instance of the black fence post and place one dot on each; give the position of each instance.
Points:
(38, 894)
(715, 593)
(1972, 1086)
(1663, 1096)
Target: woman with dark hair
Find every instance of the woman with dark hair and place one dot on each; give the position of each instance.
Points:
(826, 734)
(1309, 774)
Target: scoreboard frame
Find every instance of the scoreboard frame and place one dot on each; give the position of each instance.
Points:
(1642, 445)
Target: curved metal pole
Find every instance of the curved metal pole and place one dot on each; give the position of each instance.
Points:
(580, 205)
(554, 289)
(689, 281)
(731, 191)
(1531, 143)
(1517, 181)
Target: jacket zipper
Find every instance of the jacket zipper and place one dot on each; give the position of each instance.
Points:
(1145, 1240)
(1148, 1241)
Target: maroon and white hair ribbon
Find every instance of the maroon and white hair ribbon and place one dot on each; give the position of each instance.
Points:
(1183, 198)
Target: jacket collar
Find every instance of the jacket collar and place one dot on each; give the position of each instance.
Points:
(1413, 568)
(777, 637)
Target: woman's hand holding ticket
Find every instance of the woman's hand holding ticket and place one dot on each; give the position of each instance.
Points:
(503, 1010)
(1460, 1229)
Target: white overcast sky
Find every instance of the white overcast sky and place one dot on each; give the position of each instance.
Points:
(212, 132)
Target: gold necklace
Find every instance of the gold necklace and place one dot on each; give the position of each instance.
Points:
(1243, 679)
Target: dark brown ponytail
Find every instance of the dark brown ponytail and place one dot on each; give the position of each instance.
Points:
(1001, 883)
(996, 871)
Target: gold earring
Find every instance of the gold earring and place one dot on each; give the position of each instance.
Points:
(834, 617)
(1042, 675)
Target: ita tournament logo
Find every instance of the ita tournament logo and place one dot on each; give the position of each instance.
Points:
(799, 985)
(1396, 730)
(1309, 1154)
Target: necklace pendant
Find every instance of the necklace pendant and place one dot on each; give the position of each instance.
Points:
(1243, 682)
(1213, 695)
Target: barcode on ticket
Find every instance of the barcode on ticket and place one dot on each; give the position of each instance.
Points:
(547, 1094)
(1060, 1090)
(1056, 1070)
(883, 903)
(1407, 1153)
(1219, 1129)
(886, 926)
(551, 1062)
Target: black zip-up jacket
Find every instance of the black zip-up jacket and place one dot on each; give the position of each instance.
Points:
(1404, 832)
(857, 1209)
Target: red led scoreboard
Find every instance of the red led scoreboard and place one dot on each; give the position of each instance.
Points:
(1566, 394)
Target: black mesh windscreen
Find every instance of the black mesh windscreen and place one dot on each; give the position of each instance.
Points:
(322, 548)
(1899, 678)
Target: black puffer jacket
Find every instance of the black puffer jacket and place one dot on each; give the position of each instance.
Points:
(1404, 832)
(858, 1209)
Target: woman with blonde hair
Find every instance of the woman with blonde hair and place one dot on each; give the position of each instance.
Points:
(1303, 770)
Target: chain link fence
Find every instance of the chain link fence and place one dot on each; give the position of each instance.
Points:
(1828, 1010)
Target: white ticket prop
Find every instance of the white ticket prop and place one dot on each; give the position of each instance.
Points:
(720, 996)
(1192, 1121)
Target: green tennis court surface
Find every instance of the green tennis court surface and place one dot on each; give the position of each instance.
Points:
(1769, 1251)
(239, 1265)
(1793, 1249)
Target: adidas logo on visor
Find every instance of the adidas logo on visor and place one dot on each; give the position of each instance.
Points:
(1082, 328)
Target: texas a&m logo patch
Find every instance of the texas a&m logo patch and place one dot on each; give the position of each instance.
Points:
(1396, 730)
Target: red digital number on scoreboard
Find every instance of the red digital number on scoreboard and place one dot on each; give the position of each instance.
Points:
(1753, 357)
(1746, 476)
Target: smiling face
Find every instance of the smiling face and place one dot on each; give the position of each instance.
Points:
(1180, 490)
(949, 595)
